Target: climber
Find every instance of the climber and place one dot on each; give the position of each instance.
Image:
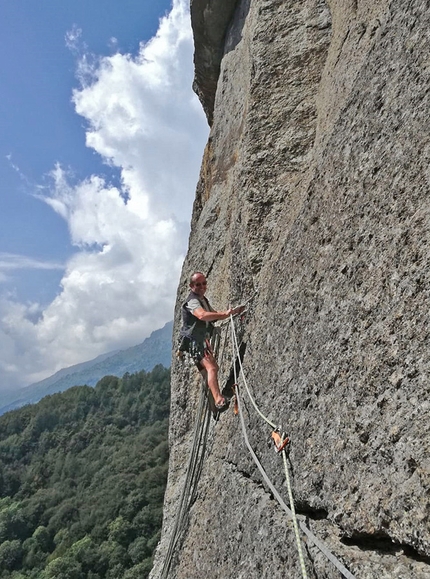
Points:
(198, 317)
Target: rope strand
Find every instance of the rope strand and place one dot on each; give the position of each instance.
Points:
(235, 345)
(188, 492)
(290, 511)
(195, 465)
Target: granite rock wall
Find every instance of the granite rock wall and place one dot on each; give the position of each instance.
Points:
(314, 189)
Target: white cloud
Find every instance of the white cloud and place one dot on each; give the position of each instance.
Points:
(73, 39)
(144, 119)
(12, 261)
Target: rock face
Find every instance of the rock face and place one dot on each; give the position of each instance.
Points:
(210, 21)
(314, 189)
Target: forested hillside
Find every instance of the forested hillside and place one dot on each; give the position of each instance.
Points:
(82, 479)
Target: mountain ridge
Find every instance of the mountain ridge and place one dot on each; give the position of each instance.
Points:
(156, 349)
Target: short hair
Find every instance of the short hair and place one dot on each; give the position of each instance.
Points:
(192, 276)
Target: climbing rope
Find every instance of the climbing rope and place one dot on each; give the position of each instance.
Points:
(293, 514)
(235, 348)
(194, 467)
(290, 511)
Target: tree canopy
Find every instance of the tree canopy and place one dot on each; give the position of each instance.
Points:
(82, 480)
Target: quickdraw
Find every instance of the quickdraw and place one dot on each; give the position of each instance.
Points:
(280, 439)
(236, 405)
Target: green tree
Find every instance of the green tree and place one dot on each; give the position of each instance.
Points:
(140, 571)
(42, 538)
(82, 478)
(10, 554)
(120, 531)
(63, 568)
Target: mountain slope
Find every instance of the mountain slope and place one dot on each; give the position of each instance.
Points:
(156, 349)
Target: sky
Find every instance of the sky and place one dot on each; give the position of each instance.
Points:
(101, 140)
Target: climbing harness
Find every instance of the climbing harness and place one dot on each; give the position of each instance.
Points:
(189, 326)
(281, 442)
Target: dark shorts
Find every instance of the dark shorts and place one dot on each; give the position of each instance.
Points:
(198, 351)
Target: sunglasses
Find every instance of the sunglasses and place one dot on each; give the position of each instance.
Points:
(200, 283)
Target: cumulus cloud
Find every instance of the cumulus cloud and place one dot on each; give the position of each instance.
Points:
(143, 119)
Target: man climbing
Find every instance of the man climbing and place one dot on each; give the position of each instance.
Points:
(198, 317)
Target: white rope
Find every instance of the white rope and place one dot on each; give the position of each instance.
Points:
(290, 511)
(270, 485)
(235, 346)
(293, 515)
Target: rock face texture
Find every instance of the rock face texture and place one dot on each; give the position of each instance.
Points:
(314, 189)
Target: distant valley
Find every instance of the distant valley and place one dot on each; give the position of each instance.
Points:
(156, 349)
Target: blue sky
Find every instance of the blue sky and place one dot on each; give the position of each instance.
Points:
(100, 145)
